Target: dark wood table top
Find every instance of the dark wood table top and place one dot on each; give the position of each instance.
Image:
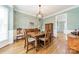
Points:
(35, 34)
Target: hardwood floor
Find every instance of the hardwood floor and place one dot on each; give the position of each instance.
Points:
(58, 46)
(18, 48)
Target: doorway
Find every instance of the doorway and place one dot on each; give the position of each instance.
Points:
(60, 27)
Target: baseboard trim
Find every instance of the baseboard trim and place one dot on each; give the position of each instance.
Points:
(4, 43)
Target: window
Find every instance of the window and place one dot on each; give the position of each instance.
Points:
(3, 23)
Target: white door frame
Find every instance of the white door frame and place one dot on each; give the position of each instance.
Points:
(61, 18)
(55, 27)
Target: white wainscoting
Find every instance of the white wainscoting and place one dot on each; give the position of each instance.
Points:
(8, 41)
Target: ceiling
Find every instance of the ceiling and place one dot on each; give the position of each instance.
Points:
(45, 9)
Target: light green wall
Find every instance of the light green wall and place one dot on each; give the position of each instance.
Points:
(72, 19)
(23, 21)
(48, 20)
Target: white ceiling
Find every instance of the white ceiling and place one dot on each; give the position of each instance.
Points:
(45, 9)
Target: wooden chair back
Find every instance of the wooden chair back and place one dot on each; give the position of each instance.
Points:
(47, 35)
(25, 33)
(19, 30)
(26, 38)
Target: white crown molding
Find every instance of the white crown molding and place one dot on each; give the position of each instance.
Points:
(51, 14)
(62, 11)
(20, 11)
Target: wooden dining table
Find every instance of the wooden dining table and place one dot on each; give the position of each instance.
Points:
(36, 35)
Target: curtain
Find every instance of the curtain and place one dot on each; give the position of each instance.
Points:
(3, 23)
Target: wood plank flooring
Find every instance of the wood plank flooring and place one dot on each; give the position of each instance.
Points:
(58, 46)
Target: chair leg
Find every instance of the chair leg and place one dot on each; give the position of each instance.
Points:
(44, 44)
(50, 40)
(36, 45)
(25, 43)
(49, 43)
(26, 48)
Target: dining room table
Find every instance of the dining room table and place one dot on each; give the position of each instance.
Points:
(36, 35)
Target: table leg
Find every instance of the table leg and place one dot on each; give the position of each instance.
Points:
(36, 44)
(26, 47)
(25, 43)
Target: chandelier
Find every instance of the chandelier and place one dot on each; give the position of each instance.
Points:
(39, 14)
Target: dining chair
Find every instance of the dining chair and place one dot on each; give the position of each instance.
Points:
(19, 33)
(45, 40)
(29, 41)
